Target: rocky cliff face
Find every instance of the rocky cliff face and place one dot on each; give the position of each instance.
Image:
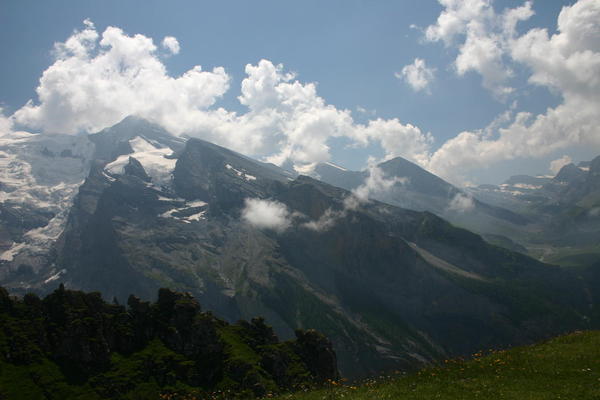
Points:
(392, 288)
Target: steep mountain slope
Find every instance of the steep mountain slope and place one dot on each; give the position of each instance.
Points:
(39, 177)
(391, 287)
(416, 189)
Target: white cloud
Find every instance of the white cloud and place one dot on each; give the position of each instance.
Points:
(461, 203)
(171, 44)
(5, 124)
(363, 110)
(375, 184)
(482, 37)
(266, 214)
(417, 75)
(97, 81)
(397, 139)
(568, 63)
(557, 164)
(325, 221)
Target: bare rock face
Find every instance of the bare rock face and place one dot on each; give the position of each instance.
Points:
(390, 287)
(221, 177)
(135, 168)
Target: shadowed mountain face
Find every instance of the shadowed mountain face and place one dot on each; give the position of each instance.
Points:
(391, 287)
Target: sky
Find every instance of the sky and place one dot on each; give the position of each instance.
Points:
(474, 90)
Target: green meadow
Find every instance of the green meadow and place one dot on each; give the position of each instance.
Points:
(567, 367)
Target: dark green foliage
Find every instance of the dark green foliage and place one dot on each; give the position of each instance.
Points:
(73, 344)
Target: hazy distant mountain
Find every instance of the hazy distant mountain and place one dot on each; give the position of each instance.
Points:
(391, 287)
(564, 210)
(420, 190)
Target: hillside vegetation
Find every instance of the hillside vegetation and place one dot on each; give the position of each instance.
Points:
(567, 367)
(74, 345)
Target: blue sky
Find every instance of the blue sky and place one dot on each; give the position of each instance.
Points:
(354, 51)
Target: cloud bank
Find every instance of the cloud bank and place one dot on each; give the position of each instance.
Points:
(567, 62)
(97, 79)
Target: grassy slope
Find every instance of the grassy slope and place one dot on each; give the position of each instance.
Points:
(567, 367)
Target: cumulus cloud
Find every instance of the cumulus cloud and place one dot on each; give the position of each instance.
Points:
(171, 44)
(398, 140)
(266, 214)
(568, 63)
(557, 164)
(482, 37)
(98, 79)
(418, 75)
(461, 203)
(5, 123)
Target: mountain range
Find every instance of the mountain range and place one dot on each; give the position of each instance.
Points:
(131, 209)
(564, 211)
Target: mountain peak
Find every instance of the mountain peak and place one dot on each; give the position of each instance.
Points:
(595, 166)
(569, 173)
(114, 141)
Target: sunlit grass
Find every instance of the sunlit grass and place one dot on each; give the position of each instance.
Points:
(567, 367)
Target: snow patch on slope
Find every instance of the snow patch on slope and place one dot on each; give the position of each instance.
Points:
(241, 174)
(43, 172)
(10, 254)
(188, 206)
(153, 159)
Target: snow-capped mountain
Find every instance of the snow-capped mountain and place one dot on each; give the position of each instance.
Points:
(39, 177)
(391, 287)
(564, 210)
